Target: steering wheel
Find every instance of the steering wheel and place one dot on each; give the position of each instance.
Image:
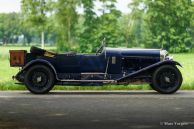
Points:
(100, 49)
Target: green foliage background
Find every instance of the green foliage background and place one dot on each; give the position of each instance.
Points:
(166, 24)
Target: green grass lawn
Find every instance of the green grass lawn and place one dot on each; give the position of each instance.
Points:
(187, 61)
(6, 72)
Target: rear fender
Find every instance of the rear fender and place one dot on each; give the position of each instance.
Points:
(149, 68)
(38, 61)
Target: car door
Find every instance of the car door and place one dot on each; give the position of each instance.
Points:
(68, 63)
(93, 63)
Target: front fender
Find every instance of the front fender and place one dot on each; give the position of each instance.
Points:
(151, 67)
(34, 62)
(171, 62)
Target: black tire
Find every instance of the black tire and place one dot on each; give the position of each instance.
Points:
(167, 79)
(39, 79)
(152, 86)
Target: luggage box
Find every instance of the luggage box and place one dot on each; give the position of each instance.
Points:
(17, 58)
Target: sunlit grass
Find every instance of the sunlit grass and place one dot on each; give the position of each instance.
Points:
(187, 61)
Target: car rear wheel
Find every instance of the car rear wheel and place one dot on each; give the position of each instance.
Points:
(167, 79)
(39, 79)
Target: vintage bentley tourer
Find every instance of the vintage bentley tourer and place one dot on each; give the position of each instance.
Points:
(41, 70)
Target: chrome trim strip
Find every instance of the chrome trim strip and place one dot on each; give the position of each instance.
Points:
(91, 73)
(88, 80)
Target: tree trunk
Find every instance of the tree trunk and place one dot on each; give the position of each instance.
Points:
(42, 39)
(69, 32)
(127, 40)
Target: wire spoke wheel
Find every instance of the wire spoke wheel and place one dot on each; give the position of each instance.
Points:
(39, 79)
(167, 79)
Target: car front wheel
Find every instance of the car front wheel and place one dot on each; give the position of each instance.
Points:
(39, 79)
(152, 86)
(167, 79)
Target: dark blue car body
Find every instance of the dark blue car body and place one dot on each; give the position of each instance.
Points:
(110, 65)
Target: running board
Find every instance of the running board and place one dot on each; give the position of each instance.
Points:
(92, 73)
(105, 81)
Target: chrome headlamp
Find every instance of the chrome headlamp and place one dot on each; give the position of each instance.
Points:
(163, 54)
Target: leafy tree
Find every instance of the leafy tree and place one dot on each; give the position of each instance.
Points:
(169, 22)
(66, 18)
(96, 28)
(164, 24)
(9, 27)
(35, 13)
(132, 26)
(108, 24)
(89, 26)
